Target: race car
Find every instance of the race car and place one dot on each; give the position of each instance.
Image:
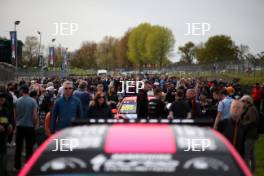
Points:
(135, 150)
(127, 109)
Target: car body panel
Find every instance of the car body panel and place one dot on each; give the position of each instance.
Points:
(136, 149)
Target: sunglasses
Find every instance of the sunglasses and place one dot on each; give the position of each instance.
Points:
(68, 88)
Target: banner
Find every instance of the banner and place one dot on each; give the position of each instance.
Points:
(40, 61)
(13, 38)
(51, 55)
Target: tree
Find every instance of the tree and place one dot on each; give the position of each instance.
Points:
(58, 58)
(217, 49)
(85, 57)
(121, 52)
(106, 57)
(187, 53)
(149, 44)
(136, 44)
(30, 51)
(159, 45)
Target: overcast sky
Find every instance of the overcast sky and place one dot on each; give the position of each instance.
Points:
(243, 20)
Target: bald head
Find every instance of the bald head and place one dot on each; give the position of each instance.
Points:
(190, 93)
(236, 109)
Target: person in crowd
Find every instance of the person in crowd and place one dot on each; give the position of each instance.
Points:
(223, 108)
(47, 126)
(195, 105)
(33, 94)
(142, 100)
(257, 96)
(48, 97)
(11, 99)
(179, 108)
(205, 106)
(250, 119)
(112, 97)
(99, 108)
(11, 89)
(171, 92)
(83, 95)
(231, 92)
(262, 99)
(6, 127)
(26, 122)
(100, 88)
(232, 128)
(35, 86)
(105, 83)
(66, 109)
(156, 107)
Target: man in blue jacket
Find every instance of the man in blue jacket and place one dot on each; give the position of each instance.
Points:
(66, 109)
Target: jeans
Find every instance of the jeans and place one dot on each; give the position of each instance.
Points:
(27, 133)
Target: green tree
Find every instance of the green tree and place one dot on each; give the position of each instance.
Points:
(159, 45)
(136, 44)
(187, 53)
(217, 49)
(149, 44)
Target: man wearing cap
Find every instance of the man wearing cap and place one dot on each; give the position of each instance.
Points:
(249, 119)
(48, 98)
(26, 120)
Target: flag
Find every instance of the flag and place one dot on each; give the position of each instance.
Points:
(13, 38)
(51, 55)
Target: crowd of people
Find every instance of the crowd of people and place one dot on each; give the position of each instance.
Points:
(54, 103)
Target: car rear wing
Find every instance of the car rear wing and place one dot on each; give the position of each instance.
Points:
(197, 122)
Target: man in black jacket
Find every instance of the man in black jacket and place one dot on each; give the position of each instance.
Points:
(5, 129)
(232, 127)
(142, 101)
(156, 107)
